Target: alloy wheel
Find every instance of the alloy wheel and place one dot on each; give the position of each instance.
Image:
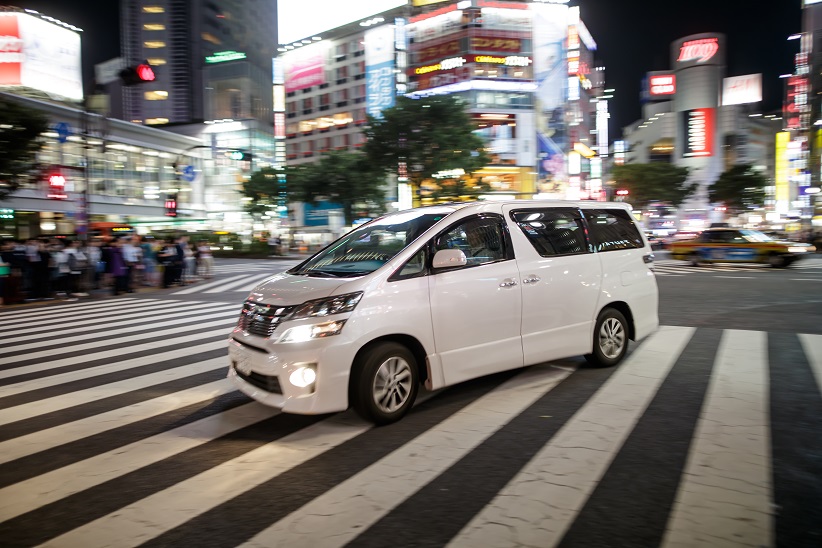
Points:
(611, 338)
(392, 384)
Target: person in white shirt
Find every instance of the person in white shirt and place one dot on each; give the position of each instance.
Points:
(131, 256)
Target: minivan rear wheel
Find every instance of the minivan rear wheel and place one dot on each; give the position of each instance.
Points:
(610, 339)
(385, 383)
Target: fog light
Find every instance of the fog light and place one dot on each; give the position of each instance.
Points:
(302, 377)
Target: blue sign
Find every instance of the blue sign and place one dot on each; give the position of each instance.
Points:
(63, 131)
(317, 215)
(189, 174)
(379, 70)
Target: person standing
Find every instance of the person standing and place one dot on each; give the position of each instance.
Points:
(206, 259)
(149, 254)
(132, 260)
(118, 268)
(167, 257)
(77, 263)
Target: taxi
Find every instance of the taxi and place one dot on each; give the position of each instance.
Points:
(731, 245)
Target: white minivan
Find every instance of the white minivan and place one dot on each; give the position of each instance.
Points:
(442, 294)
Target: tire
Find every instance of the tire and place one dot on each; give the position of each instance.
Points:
(610, 339)
(777, 261)
(694, 258)
(385, 383)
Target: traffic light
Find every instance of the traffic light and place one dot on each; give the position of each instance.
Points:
(139, 74)
(171, 205)
(240, 155)
(57, 187)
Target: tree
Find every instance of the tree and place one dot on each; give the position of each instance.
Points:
(429, 135)
(340, 177)
(264, 188)
(20, 128)
(655, 182)
(741, 187)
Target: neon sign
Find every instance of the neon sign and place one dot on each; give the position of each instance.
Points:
(662, 85)
(698, 50)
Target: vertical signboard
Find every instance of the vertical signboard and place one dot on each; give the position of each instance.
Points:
(699, 133)
(379, 69)
(782, 188)
(549, 37)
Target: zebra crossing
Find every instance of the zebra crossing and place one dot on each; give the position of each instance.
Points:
(671, 267)
(118, 428)
(236, 278)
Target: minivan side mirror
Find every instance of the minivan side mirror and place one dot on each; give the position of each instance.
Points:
(449, 258)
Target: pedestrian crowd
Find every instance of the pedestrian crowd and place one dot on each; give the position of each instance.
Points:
(55, 268)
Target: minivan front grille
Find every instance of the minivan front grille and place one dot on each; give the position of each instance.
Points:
(262, 319)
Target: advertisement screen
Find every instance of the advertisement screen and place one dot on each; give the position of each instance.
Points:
(295, 22)
(39, 55)
(305, 67)
(739, 90)
(699, 133)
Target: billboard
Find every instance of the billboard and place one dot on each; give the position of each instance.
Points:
(781, 171)
(379, 69)
(699, 133)
(304, 67)
(39, 55)
(739, 90)
(294, 22)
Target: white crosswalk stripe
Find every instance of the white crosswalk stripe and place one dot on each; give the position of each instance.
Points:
(244, 284)
(121, 433)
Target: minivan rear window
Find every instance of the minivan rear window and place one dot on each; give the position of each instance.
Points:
(553, 231)
(613, 229)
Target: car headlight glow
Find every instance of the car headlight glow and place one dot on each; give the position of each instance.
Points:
(797, 249)
(302, 377)
(303, 333)
(327, 306)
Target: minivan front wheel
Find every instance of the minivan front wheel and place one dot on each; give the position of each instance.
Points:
(385, 383)
(610, 339)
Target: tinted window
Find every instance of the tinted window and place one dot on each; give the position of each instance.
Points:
(553, 231)
(482, 240)
(613, 229)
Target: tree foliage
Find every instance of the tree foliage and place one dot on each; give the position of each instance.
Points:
(430, 135)
(20, 128)
(264, 187)
(741, 187)
(345, 178)
(654, 182)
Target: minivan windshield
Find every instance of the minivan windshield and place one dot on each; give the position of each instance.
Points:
(365, 249)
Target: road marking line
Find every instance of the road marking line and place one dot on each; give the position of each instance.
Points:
(735, 277)
(812, 345)
(52, 486)
(64, 401)
(725, 492)
(169, 508)
(199, 287)
(231, 287)
(66, 433)
(560, 478)
(386, 483)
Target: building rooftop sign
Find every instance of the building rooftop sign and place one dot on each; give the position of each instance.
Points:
(222, 56)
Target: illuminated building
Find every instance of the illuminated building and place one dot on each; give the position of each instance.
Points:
(695, 117)
(527, 73)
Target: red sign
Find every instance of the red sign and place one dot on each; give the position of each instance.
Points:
(11, 51)
(699, 133)
(698, 50)
(145, 73)
(663, 84)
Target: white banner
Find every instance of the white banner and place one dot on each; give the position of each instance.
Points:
(739, 90)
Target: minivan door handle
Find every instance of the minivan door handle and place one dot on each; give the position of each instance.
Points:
(508, 283)
(531, 280)
(648, 258)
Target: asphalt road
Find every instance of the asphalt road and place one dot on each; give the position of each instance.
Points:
(118, 428)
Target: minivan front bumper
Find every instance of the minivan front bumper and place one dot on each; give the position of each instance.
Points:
(266, 375)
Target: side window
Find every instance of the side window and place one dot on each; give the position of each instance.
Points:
(552, 231)
(613, 229)
(413, 268)
(481, 240)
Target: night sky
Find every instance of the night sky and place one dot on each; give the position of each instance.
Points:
(633, 36)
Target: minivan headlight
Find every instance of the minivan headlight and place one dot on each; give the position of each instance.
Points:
(303, 333)
(327, 306)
